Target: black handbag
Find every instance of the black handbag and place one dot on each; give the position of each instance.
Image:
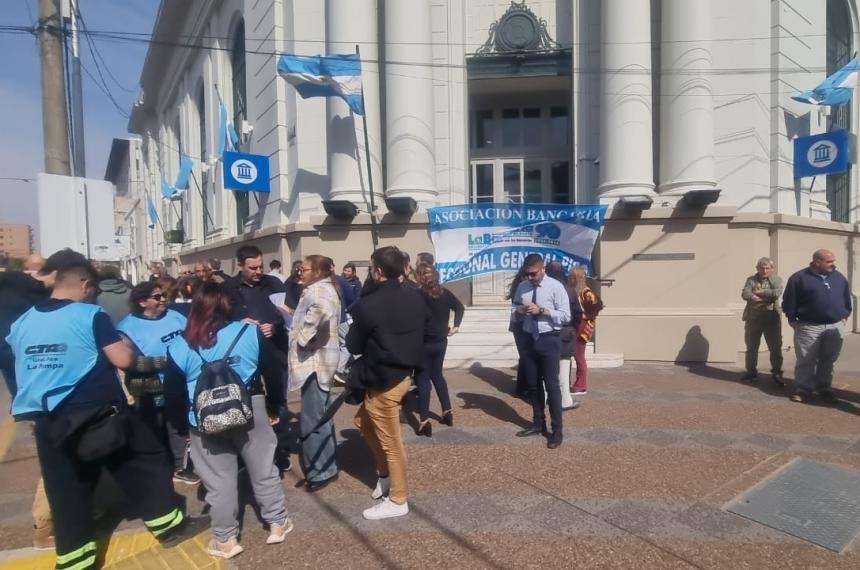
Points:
(92, 434)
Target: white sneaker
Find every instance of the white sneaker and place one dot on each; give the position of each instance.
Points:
(278, 532)
(383, 486)
(583, 393)
(225, 550)
(339, 378)
(386, 510)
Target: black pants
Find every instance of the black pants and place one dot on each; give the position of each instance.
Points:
(520, 341)
(153, 417)
(141, 469)
(434, 357)
(541, 363)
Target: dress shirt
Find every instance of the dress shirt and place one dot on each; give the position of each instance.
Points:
(548, 294)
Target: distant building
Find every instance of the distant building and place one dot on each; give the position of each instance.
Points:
(675, 113)
(16, 240)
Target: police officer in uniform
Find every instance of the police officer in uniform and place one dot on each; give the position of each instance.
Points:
(151, 328)
(66, 352)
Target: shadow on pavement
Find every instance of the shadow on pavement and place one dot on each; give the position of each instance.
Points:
(495, 407)
(354, 457)
(501, 381)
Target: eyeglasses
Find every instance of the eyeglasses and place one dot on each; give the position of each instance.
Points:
(531, 273)
(157, 297)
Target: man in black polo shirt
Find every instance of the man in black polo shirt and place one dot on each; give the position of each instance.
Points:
(250, 292)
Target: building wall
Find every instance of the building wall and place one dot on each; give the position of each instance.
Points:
(762, 53)
(16, 240)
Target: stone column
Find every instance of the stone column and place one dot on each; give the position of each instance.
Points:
(351, 22)
(626, 156)
(686, 98)
(410, 160)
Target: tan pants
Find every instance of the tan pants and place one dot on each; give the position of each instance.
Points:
(41, 510)
(378, 418)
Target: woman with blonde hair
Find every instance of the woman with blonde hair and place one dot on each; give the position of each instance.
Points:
(583, 320)
(313, 358)
(440, 303)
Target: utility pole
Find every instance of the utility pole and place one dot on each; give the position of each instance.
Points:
(54, 117)
(78, 154)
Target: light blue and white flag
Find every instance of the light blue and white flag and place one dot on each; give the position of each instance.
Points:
(169, 192)
(227, 137)
(836, 90)
(186, 165)
(336, 75)
(153, 213)
(473, 239)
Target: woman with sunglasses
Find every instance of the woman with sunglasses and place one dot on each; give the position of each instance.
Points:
(151, 328)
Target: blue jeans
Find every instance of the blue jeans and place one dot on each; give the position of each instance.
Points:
(318, 449)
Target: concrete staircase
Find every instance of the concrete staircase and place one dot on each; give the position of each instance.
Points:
(484, 339)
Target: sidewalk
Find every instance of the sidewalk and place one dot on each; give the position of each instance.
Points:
(647, 465)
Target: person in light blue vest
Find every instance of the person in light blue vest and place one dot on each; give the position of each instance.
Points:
(151, 328)
(209, 334)
(66, 353)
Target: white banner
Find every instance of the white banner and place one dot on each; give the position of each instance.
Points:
(474, 239)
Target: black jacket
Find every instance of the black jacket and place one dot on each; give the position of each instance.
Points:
(388, 328)
(18, 292)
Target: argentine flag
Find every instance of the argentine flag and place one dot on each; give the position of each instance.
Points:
(324, 76)
(836, 90)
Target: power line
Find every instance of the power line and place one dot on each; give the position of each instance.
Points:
(142, 38)
(96, 54)
(107, 93)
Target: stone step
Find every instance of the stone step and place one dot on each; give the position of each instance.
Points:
(461, 360)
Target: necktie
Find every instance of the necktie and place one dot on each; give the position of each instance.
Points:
(535, 332)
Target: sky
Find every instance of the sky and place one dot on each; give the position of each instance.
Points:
(21, 153)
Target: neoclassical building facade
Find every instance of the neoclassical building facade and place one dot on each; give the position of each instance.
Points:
(675, 113)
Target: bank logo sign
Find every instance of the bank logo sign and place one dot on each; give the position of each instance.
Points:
(826, 153)
(475, 239)
(248, 172)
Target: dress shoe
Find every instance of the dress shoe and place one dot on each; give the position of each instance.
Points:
(448, 418)
(532, 430)
(828, 396)
(554, 440)
(749, 377)
(425, 429)
(778, 379)
(314, 486)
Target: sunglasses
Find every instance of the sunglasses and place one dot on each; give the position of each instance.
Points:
(157, 297)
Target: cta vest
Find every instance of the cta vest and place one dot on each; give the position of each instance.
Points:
(54, 351)
(244, 359)
(153, 336)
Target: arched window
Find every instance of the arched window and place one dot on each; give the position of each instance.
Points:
(840, 50)
(240, 109)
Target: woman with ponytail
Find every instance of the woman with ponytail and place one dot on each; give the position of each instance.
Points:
(440, 303)
(314, 355)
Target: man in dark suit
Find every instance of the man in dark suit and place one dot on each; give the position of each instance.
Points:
(388, 332)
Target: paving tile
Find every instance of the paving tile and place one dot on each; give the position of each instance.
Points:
(768, 441)
(657, 437)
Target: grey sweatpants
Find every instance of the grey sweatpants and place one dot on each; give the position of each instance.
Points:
(215, 461)
(817, 348)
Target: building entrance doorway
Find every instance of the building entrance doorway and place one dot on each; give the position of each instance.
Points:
(519, 152)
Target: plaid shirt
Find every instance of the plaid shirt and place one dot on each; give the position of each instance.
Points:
(313, 336)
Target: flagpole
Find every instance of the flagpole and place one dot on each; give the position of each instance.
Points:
(202, 199)
(374, 234)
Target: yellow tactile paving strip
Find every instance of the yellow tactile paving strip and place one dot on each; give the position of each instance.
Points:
(137, 551)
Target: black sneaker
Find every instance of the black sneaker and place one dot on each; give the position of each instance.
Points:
(749, 377)
(828, 396)
(554, 440)
(186, 477)
(188, 528)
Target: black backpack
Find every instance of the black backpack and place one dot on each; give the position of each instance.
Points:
(221, 400)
